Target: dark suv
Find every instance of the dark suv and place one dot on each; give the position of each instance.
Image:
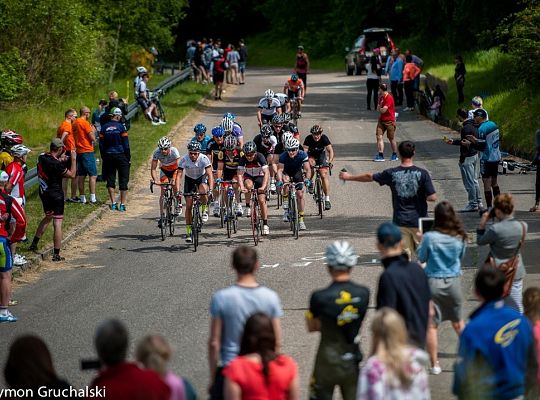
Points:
(363, 47)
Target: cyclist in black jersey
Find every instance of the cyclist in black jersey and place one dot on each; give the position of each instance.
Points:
(228, 162)
(337, 311)
(215, 146)
(318, 145)
(266, 144)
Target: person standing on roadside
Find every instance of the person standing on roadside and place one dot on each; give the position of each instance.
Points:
(337, 311)
(468, 161)
(420, 64)
(477, 103)
(387, 123)
(373, 79)
(410, 72)
(394, 68)
(302, 65)
(233, 58)
(116, 155)
(536, 162)
(411, 189)
(218, 74)
(459, 77)
(65, 133)
(242, 51)
(85, 136)
(96, 115)
(52, 169)
(230, 308)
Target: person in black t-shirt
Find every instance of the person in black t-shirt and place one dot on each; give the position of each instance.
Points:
(51, 170)
(337, 311)
(411, 189)
(318, 144)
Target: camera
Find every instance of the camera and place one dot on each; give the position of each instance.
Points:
(90, 364)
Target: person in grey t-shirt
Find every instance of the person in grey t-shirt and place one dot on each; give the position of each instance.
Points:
(230, 308)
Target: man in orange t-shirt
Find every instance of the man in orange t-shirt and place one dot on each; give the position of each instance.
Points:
(65, 133)
(85, 137)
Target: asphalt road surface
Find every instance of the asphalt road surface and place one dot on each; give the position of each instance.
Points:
(120, 268)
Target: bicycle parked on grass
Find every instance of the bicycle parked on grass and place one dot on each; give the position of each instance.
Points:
(520, 167)
(155, 98)
(169, 208)
(196, 218)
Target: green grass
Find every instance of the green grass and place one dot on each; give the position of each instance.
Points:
(178, 102)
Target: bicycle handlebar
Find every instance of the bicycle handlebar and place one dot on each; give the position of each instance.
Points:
(152, 184)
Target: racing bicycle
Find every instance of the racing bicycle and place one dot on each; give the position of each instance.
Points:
(292, 209)
(196, 218)
(256, 221)
(520, 167)
(169, 206)
(155, 98)
(295, 110)
(228, 213)
(318, 192)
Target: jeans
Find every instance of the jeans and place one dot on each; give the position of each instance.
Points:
(372, 88)
(409, 93)
(469, 175)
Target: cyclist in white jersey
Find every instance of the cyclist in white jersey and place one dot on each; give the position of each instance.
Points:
(167, 156)
(283, 101)
(198, 178)
(268, 106)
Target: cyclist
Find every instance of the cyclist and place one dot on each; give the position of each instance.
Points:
(8, 139)
(228, 161)
(215, 146)
(198, 177)
(283, 101)
(168, 157)
(266, 145)
(140, 71)
(287, 121)
(318, 145)
(233, 128)
(253, 172)
(294, 88)
(293, 166)
(200, 136)
(268, 106)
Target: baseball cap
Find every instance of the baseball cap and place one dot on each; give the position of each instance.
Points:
(480, 113)
(57, 143)
(116, 111)
(388, 234)
(4, 177)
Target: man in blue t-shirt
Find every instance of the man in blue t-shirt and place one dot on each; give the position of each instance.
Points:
(411, 189)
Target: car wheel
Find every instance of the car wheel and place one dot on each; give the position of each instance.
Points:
(349, 69)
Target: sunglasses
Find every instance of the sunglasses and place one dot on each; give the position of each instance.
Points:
(292, 151)
(193, 153)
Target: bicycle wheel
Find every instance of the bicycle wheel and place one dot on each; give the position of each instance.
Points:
(294, 216)
(195, 222)
(319, 196)
(255, 229)
(163, 217)
(229, 216)
(162, 115)
(170, 214)
(279, 198)
(235, 217)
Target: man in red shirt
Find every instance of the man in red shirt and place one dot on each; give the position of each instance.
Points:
(387, 123)
(119, 379)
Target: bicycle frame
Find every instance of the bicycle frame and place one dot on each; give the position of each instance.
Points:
(256, 221)
(168, 206)
(196, 219)
(293, 208)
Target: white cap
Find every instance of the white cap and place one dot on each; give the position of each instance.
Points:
(4, 177)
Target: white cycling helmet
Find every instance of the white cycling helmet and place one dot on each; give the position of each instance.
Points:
(292, 144)
(141, 70)
(229, 143)
(341, 255)
(164, 143)
(286, 136)
(269, 93)
(20, 150)
(227, 125)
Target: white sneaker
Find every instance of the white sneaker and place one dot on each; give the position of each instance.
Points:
(205, 216)
(286, 216)
(273, 187)
(19, 260)
(302, 226)
(155, 123)
(161, 122)
(266, 230)
(239, 210)
(248, 212)
(436, 369)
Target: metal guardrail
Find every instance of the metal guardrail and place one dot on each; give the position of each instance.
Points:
(31, 178)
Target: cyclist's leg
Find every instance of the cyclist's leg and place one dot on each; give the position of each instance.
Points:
(262, 199)
(248, 183)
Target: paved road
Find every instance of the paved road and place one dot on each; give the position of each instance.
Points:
(120, 268)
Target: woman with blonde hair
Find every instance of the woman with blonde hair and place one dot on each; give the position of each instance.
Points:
(395, 370)
(154, 353)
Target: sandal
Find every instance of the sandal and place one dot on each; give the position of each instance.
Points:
(535, 208)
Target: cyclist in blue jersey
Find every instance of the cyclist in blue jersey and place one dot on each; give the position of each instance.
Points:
(215, 146)
(200, 136)
(293, 167)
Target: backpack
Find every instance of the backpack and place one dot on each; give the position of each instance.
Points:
(9, 204)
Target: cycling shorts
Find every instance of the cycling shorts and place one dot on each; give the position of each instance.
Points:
(257, 180)
(291, 94)
(297, 177)
(266, 119)
(230, 174)
(53, 203)
(192, 185)
(489, 169)
(166, 176)
(6, 260)
(143, 103)
(320, 159)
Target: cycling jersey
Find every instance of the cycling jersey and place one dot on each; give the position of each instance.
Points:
(212, 150)
(263, 147)
(167, 162)
(255, 167)
(194, 170)
(293, 165)
(5, 159)
(489, 132)
(294, 86)
(282, 98)
(237, 130)
(316, 148)
(204, 142)
(16, 178)
(268, 107)
(50, 173)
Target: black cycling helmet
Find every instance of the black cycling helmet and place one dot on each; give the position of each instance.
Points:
(286, 117)
(277, 119)
(293, 129)
(194, 147)
(250, 147)
(316, 129)
(266, 131)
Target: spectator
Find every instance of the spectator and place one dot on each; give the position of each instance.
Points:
(65, 133)
(505, 237)
(410, 72)
(259, 371)
(116, 155)
(468, 161)
(29, 365)
(459, 77)
(302, 65)
(140, 72)
(394, 68)
(419, 63)
(219, 74)
(242, 51)
(198, 60)
(488, 143)
(233, 58)
(231, 307)
(496, 356)
(442, 249)
(120, 379)
(395, 369)
(97, 114)
(85, 136)
(190, 57)
(386, 123)
(531, 305)
(403, 285)
(337, 311)
(372, 81)
(411, 189)
(143, 98)
(536, 162)
(155, 353)
(51, 169)
(477, 103)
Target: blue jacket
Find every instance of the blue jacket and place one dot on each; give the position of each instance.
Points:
(113, 139)
(395, 71)
(496, 354)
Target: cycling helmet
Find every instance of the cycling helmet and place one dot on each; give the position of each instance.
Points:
(164, 143)
(341, 255)
(218, 131)
(269, 93)
(293, 129)
(315, 129)
(266, 131)
(286, 117)
(20, 150)
(227, 125)
(141, 70)
(250, 147)
(294, 77)
(292, 144)
(10, 138)
(199, 128)
(194, 146)
(286, 136)
(277, 119)
(229, 115)
(229, 143)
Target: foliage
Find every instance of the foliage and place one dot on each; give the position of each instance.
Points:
(12, 75)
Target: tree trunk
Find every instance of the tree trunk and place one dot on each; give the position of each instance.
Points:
(115, 53)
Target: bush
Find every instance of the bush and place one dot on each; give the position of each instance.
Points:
(12, 75)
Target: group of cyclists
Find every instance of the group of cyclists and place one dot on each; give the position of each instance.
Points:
(266, 163)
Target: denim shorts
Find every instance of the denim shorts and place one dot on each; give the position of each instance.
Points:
(86, 164)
